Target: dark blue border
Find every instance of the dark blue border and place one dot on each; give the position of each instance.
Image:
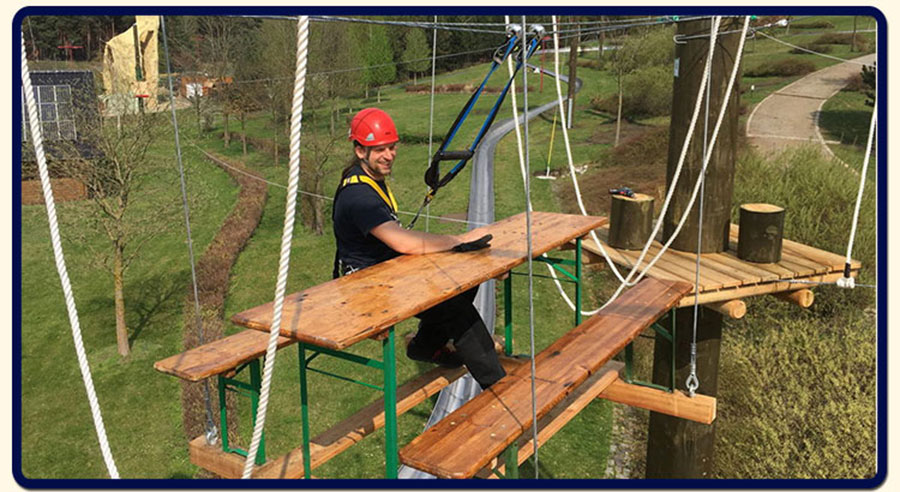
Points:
(881, 471)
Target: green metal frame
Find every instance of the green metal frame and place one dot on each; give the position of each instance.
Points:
(250, 390)
(629, 357)
(388, 365)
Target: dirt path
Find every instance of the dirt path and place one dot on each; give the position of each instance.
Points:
(789, 116)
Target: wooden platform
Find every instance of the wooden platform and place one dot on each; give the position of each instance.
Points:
(724, 276)
(465, 441)
(344, 311)
(218, 356)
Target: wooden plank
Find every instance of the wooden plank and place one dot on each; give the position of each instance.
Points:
(807, 251)
(774, 268)
(799, 264)
(494, 418)
(750, 273)
(725, 276)
(699, 408)
(684, 270)
(563, 413)
(761, 289)
(218, 356)
(344, 311)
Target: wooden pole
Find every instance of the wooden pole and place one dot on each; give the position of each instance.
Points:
(573, 68)
(677, 448)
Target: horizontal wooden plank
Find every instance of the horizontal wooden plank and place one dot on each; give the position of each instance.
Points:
(494, 418)
(699, 408)
(762, 289)
(218, 356)
(563, 413)
(344, 311)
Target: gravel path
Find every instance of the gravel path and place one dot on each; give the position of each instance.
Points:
(789, 116)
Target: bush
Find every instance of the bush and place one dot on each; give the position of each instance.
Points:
(783, 68)
(822, 24)
(845, 38)
(650, 147)
(818, 48)
(855, 83)
(648, 92)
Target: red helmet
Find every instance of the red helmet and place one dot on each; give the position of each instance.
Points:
(371, 127)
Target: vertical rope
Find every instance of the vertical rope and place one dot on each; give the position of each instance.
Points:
(211, 430)
(848, 281)
(431, 118)
(38, 140)
(534, 424)
(515, 110)
(285, 258)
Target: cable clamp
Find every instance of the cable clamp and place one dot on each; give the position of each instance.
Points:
(677, 39)
(846, 282)
(212, 435)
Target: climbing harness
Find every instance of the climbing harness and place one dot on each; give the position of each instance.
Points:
(432, 175)
(340, 269)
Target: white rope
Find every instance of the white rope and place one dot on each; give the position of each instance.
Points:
(515, 110)
(38, 141)
(847, 281)
(626, 282)
(534, 425)
(284, 261)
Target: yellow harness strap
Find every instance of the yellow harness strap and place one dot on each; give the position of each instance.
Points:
(388, 199)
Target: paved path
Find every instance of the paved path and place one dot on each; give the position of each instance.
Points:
(789, 116)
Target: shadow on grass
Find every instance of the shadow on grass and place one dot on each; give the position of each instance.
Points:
(155, 295)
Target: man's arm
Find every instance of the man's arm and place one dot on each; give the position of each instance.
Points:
(413, 242)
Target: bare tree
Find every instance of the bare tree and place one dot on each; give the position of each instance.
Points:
(113, 181)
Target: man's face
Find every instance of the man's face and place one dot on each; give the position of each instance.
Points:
(377, 160)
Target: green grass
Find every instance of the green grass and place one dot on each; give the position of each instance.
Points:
(845, 119)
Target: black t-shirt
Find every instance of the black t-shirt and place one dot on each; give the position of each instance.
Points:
(357, 210)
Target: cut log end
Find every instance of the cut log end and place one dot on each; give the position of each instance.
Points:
(761, 233)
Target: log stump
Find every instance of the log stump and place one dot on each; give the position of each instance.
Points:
(630, 221)
(761, 232)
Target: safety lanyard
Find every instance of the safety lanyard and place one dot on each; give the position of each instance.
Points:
(432, 175)
(388, 198)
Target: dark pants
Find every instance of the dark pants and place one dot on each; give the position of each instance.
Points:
(457, 319)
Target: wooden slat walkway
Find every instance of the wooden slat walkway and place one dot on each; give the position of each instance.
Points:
(724, 276)
(468, 439)
(344, 311)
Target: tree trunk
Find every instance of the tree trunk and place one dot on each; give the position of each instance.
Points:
(225, 125)
(378, 95)
(243, 133)
(119, 286)
(619, 113)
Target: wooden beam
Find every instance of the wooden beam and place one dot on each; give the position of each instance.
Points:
(699, 408)
(734, 309)
(803, 297)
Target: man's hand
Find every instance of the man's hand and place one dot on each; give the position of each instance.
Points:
(480, 243)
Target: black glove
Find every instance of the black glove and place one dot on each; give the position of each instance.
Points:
(480, 243)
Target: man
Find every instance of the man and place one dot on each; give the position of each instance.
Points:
(368, 232)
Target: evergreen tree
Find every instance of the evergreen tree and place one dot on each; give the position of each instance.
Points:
(379, 59)
(415, 54)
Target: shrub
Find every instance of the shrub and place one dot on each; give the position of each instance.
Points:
(650, 147)
(818, 48)
(648, 92)
(821, 24)
(845, 38)
(783, 68)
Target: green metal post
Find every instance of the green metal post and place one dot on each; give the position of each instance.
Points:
(578, 282)
(304, 412)
(256, 385)
(629, 362)
(391, 448)
(507, 314)
(512, 460)
(223, 415)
